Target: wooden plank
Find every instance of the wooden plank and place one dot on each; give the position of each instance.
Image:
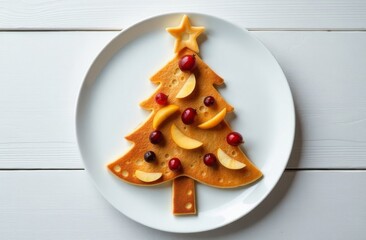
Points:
(41, 75)
(327, 79)
(38, 95)
(65, 205)
(113, 14)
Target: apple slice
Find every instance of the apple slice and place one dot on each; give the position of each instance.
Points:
(163, 114)
(213, 121)
(182, 140)
(227, 161)
(147, 177)
(188, 87)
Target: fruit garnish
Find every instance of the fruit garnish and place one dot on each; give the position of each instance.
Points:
(164, 113)
(174, 164)
(228, 161)
(188, 87)
(209, 101)
(209, 159)
(187, 63)
(234, 139)
(147, 177)
(214, 121)
(188, 116)
(161, 99)
(156, 137)
(182, 140)
(149, 156)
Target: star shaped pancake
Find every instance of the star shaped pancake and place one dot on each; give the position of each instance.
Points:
(186, 35)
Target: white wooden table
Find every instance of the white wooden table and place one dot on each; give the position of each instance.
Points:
(45, 49)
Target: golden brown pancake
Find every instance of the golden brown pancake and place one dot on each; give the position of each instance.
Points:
(171, 79)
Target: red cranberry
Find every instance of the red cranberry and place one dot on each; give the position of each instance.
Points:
(149, 156)
(234, 139)
(209, 101)
(187, 63)
(175, 164)
(188, 116)
(161, 99)
(209, 159)
(156, 137)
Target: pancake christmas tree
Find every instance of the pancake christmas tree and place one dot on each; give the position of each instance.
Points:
(186, 138)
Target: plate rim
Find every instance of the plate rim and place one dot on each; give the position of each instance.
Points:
(292, 116)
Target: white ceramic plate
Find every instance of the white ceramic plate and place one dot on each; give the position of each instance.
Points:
(118, 80)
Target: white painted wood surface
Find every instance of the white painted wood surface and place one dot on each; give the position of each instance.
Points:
(115, 14)
(41, 72)
(65, 205)
(38, 99)
(328, 87)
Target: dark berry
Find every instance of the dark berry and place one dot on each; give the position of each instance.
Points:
(188, 116)
(156, 137)
(161, 99)
(209, 101)
(234, 139)
(187, 63)
(174, 164)
(209, 159)
(149, 156)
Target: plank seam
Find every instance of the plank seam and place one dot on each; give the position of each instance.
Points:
(325, 169)
(249, 29)
(42, 169)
